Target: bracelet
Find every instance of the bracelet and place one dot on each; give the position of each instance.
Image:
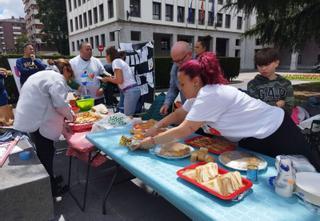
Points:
(152, 140)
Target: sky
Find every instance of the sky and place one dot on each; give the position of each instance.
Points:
(10, 8)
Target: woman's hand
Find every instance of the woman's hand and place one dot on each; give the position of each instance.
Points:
(145, 144)
(152, 132)
(99, 92)
(105, 79)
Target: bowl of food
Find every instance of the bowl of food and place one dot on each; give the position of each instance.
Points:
(85, 104)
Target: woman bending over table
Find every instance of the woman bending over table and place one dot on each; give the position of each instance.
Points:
(41, 111)
(224, 110)
(124, 78)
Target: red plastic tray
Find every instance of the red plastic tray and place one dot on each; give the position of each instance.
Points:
(225, 148)
(80, 127)
(247, 183)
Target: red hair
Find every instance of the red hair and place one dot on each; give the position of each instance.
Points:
(207, 67)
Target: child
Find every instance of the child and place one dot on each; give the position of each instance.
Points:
(269, 86)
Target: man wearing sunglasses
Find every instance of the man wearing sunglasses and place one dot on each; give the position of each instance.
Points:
(180, 53)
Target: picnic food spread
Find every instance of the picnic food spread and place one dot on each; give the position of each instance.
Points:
(174, 149)
(201, 155)
(86, 117)
(215, 145)
(209, 176)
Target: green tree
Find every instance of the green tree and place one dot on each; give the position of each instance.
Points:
(53, 14)
(21, 40)
(284, 23)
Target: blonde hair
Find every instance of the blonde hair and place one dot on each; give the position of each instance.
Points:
(61, 63)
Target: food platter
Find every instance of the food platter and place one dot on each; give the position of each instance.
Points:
(246, 184)
(157, 150)
(239, 160)
(216, 145)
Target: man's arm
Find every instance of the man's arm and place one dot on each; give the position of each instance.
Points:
(173, 90)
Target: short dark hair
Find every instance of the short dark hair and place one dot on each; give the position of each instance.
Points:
(205, 42)
(265, 56)
(112, 52)
(27, 44)
(84, 43)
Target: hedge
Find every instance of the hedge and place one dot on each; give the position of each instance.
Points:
(229, 65)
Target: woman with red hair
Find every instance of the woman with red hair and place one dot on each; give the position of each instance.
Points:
(226, 111)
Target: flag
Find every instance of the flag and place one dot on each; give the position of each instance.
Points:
(212, 11)
(202, 13)
(190, 14)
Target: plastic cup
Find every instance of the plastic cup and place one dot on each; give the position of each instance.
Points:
(252, 173)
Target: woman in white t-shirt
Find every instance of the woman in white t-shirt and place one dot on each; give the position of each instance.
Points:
(225, 111)
(124, 78)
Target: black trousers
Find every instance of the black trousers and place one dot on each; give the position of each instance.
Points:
(45, 152)
(287, 140)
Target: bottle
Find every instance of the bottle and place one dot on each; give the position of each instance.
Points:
(84, 78)
(284, 183)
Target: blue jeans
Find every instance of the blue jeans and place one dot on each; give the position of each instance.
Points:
(128, 100)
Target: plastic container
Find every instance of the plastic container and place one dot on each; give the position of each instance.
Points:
(247, 184)
(285, 180)
(25, 155)
(85, 104)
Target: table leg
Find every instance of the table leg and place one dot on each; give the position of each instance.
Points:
(116, 168)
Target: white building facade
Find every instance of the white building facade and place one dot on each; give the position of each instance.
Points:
(108, 22)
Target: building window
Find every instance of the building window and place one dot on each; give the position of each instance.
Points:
(135, 8)
(228, 2)
(112, 36)
(101, 12)
(80, 21)
(210, 19)
(239, 23)
(180, 14)
(110, 8)
(156, 10)
(73, 46)
(91, 42)
(227, 21)
(71, 25)
(191, 16)
(165, 44)
(258, 41)
(70, 7)
(76, 21)
(135, 35)
(237, 42)
(75, 3)
(78, 44)
(90, 17)
(97, 40)
(79, 3)
(169, 12)
(219, 19)
(83, 1)
(86, 40)
(95, 15)
(201, 17)
(237, 53)
(103, 39)
(85, 22)
(220, 2)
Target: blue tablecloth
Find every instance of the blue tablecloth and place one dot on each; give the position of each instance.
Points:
(262, 203)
